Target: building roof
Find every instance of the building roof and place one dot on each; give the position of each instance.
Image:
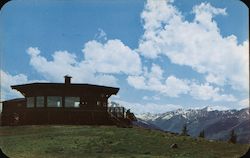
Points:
(15, 100)
(35, 89)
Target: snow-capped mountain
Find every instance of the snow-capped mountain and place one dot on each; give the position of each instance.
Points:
(148, 116)
(217, 124)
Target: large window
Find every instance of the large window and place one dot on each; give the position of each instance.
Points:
(40, 101)
(72, 102)
(30, 102)
(54, 101)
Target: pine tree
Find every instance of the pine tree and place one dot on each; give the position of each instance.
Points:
(233, 137)
(184, 131)
(202, 134)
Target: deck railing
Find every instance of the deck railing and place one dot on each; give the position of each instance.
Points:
(117, 111)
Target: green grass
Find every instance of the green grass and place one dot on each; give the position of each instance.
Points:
(106, 141)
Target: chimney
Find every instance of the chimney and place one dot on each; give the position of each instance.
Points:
(67, 79)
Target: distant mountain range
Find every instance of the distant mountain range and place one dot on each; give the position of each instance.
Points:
(216, 124)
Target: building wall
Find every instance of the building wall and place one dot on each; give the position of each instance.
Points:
(16, 113)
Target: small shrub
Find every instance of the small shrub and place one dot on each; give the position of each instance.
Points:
(184, 131)
(233, 137)
(147, 152)
(202, 134)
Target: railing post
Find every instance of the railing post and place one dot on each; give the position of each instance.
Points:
(123, 112)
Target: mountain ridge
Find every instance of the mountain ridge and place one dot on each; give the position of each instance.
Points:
(217, 124)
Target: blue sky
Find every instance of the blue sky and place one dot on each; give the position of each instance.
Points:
(163, 55)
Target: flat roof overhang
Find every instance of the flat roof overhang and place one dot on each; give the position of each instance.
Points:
(62, 89)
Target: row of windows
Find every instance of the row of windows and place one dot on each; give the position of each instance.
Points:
(56, 101)
(53, 101)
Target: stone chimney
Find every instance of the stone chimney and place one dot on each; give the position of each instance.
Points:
(67, 79)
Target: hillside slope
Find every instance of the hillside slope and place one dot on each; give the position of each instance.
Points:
(103, 141)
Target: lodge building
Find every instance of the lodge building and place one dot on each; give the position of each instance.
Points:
(63, 103)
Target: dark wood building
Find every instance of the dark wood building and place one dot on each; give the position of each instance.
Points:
(62, 103)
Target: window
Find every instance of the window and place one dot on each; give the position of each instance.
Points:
(54, 101)
(30, 102)
(40, 101)
(73, 102)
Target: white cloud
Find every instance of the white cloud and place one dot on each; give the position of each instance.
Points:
(204, 14)
(8, 80)
(153, 80)
(112, 57)
(217, 79)
(148, 80)
(207, 92)
(174, 86)
(197, 44)
(100, 62)
(65, 63)
(153, 108)
(155, 16)
(137, 82)
(244, 103)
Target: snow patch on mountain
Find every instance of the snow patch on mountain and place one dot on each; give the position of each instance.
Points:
(147, 116)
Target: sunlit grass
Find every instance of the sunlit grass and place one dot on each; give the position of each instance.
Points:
(104, 141)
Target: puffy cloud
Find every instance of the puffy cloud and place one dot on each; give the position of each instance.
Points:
(174, 86)
(100, 62)
(207, 92)
(197, 44)
(7, 80)
(217, 79)
(112, 57)
(148, 80)
(64, 63)
(137, 82)
(155, 16)
(204, 14)
(153, 80)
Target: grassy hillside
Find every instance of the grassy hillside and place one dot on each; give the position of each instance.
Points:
(101, 141)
